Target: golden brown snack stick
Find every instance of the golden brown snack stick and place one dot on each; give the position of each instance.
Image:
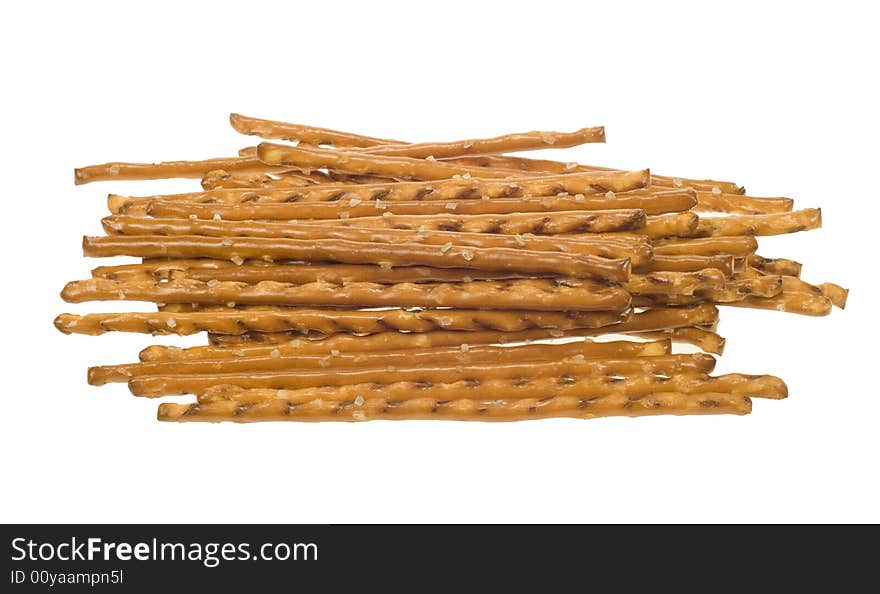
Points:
(769, 224)
(329, 321)
(465, 354)
(365, 164)
(738, 246)
(524, 294)
(654, 319)
(248, 151)
(657, 318)
(522, 141)
(835, 293)
(356, 252)
(680, 283)
(314, 136)
(507, 162)
(292, 178)
(736, 384)
(545, 223)
(774, 266)
(153, 386)
(707, 340)
(274, 130)
(735, 203)
(737, 290)
(682, 224)
(637, 249)
(340, 211)
(598, 221)
(675, 283)
(458, 410)
(166, 169)
(687, 263)
(809, 305)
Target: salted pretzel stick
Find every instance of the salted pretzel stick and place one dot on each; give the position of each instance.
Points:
(312, 135)
(770, 224)
(810, 305)
(774, 266)
(330, 321)
(222, 179)
(339, 211)
(458, 410)
(599, 221)
(682, 224)
(210, 270)
(547, 223)
(507, 163)
(765, 286)
(365, 164)
(309, 135)
(654, 319)
(738, 246)
(687, 263)
(735, 203)
(355, 252)
(637, 250)
(166, 169)
(736, 384)
(525, 294)
(835, 293)
(675, 283)
(98, 376)
(522, 141)
(153, 386)
(592, 185)
(706, 340)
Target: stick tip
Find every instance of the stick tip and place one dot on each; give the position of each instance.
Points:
(62, 322)
(79, 177)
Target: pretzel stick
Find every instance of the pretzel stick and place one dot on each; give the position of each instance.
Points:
(675, 283)
(735, 384)
(552, 223)
(354, 252)
(682, 224)
(599, 221)
(707, 340)
(523, 141)
(734, 203)
(329, 321)
(457, 410)
(248, 151)
(525, 294)
(774, 266)
(766, 286)
(154, 386)
(222, 179)
(799, 303)
(638, 250)
(770, 224)
(655, 319)
(687, 263)
(738, 246)
(166, 169)
(340, 211)
(274, 130)
(681, 283)
(835, 293)
(305, 134)
(101, 375)
(365, 164)
(507, 163)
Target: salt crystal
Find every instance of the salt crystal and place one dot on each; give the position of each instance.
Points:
(451, 205)
(676, 181)
(445, 247)
(354, 201)
(171, 322)
(343, 215)
(716, 190)
(213, 283)
(610, 195)
(579, 198)
(217, 216)
(237, 260)
(275, 353)
(467, 255)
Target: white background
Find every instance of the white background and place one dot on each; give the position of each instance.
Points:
(782, 98)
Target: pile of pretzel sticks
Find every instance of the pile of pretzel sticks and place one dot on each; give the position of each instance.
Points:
(342, 277)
